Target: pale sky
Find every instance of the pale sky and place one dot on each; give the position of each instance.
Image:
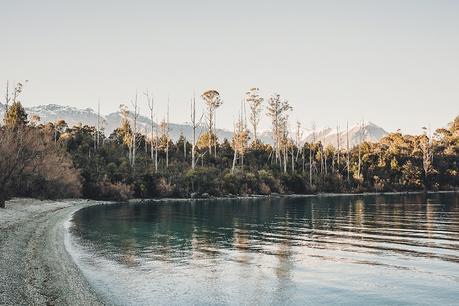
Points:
(395, 63)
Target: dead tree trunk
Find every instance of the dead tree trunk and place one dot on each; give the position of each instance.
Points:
(134, 130)
(194, 125)
(348, 161)
(338, 148)
(167, 136)
(310, 165)
(150, 102)
(156, 150)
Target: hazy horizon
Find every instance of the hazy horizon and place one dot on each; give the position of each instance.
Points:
(393, 63)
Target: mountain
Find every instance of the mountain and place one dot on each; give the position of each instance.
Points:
(74, 116)
(357, 133)
(328, 136)
(113, 121)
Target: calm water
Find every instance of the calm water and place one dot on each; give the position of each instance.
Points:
(294, 251)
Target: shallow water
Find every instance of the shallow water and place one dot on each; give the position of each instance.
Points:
(329, 250)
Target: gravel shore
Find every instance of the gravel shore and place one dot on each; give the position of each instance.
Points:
(35, 268)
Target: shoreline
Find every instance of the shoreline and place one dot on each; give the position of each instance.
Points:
(35, 265)
(280, 195)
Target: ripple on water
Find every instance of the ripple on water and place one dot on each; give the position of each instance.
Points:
(345, 250)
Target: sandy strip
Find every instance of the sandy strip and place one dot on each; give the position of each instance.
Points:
(35, 268)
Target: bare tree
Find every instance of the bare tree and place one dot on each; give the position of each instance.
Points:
(167, 134)
(194, 125)
(145, 139)
(240, 141)
(17, 90)
(321, 155)
(299, 138)
(337, 147)
(359, 153)
(291, 145)
(103, 124)
(348, 161)
(7, 97)
(255, 104)
(323, 159)
(182, 135)
(135, 116)
(427, 156)
(164, 138)
(362, 135)
(16, 93)
(156, 145)
(285, 143)
(150, 102)
(96, 134)
(98, 123)
(213, 101)
(277, 110)
(184, 147)
(310, 152)
(234, 144)
(125, 129)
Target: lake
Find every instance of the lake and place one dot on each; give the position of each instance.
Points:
(385, 250)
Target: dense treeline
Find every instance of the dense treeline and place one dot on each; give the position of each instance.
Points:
(55, 160)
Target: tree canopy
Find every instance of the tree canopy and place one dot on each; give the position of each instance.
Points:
(54, 159)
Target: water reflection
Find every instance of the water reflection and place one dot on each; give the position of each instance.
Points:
(281, 250)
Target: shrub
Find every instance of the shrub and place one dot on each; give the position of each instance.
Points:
(266, 177)
(114, 191)
(203, 180)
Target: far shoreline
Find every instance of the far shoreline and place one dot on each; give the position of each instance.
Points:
(279, 195)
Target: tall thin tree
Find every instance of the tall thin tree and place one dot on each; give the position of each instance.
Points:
(135, 116)
(277, 110)
(213, 101)
(150, 102)
(348, 161)
(338, 140)
(255, 102)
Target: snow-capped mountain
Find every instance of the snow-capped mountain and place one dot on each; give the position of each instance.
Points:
(357, 133)
(113, 120)
(328, 136)
(73, 116)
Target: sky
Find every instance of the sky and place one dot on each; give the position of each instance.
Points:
(394, 63)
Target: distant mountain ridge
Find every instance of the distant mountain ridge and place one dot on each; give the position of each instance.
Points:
(74, 116)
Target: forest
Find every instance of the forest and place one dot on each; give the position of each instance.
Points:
(54, 160)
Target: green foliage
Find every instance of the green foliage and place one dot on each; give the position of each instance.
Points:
(203, 180)
(15, 115)
(395, 163)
